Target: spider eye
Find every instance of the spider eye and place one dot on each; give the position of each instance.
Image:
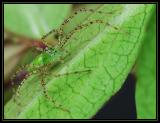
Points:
(56, 36)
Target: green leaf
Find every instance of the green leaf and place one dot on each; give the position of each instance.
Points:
(146, 73)
(34, 20)
(107, 51)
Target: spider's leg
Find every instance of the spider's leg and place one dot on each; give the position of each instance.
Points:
(51, 99)
(84, 10)
(19, 78)
(78, 28)
(46, 44)
(43, 84)
(82, 26)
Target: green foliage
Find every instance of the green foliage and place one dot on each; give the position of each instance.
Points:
(108, 52)
(146, 73)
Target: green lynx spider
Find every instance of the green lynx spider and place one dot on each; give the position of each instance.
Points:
(57, 54)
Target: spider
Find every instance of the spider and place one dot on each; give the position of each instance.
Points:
(56, 54)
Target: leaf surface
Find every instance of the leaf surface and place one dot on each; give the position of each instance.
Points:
(146, 73)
